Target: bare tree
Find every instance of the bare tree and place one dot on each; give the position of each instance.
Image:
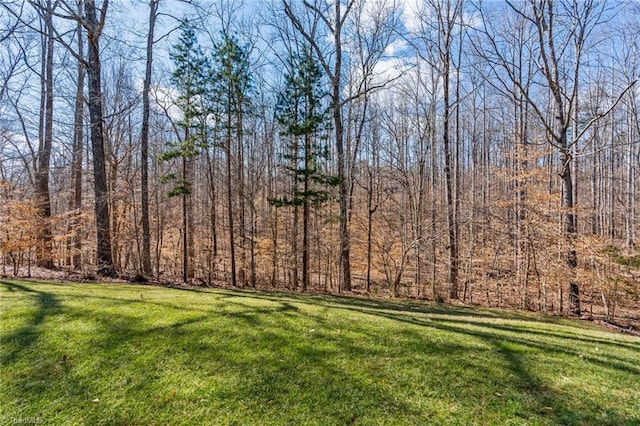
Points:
(556, 28)
(93, 22)
(45, 139)
(144, 143)
(334, 22)
(11, 59)
(440, 21)
(78, 145)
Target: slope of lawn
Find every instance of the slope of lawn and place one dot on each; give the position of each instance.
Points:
(92, 354)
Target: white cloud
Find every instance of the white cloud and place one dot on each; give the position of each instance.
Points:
(396, 47)
(411, 15)
(164, 99)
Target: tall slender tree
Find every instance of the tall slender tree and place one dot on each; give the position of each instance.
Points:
(440, 21)
(144, 143)
(334, 20)
(93, 22)
(301, 113)
(46, 135)
(230, 99)
(78, 148)
(188, 78)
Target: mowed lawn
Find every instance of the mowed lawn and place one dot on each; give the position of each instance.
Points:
(92, 354)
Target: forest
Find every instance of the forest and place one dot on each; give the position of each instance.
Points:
(483, 152)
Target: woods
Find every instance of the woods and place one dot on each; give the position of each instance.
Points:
(435, 149)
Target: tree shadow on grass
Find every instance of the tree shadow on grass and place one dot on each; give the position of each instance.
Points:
(195, 347)
(22, 338)
(441, 312)
(547, 403)
(269, 358)
(550, 403)
(515, 333)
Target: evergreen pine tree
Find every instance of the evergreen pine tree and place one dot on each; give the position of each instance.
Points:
(189, 80)
(304, 119)
(229, 101)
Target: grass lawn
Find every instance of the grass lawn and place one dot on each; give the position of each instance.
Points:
(92, 354)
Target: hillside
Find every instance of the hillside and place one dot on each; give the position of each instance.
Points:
(122, 354)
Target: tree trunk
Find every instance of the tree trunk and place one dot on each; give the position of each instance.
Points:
(213, 215)
(435, 292)
(232, 249)
(103, 232)
(295, 225)
(345, 265)
(78, 145)
(45, 255)
(185, 221)
(144, 145)
(570, 231)
(306, 214)
(370, 212)
(448, 176)
(241, 190)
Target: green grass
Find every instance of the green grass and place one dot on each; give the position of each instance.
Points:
(94, 354)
